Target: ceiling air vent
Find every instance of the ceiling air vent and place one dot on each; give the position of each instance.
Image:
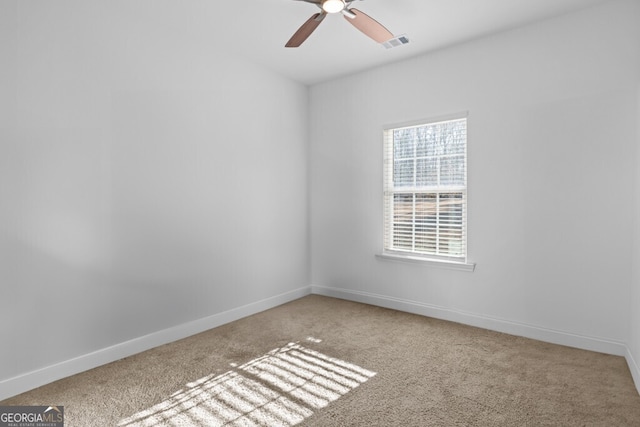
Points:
(396, 41)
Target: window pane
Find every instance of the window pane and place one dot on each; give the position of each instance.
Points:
(427, 172)
(452, 170)
(426, 223)
(403, 143)
(403, 221)
(403, 173)
(454, 137)
(451, 223)
(425, 144)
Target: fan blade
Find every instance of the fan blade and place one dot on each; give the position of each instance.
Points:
(305, 30)
(369, 26)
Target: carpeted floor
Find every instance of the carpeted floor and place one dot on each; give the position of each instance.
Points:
(325, 362)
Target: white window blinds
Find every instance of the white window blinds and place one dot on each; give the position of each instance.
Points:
(425, 190)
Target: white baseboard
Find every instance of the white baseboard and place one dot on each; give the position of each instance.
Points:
(16, 385)
(633, 367)
(494, 324)
(485, 322)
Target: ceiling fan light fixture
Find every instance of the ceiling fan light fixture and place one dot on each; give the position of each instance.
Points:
(360, 20)
(333, 6)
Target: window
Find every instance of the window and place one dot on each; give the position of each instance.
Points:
(425, 190)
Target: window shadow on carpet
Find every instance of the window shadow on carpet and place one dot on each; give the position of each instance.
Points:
(280, 388)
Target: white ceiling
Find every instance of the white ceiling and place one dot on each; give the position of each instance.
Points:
(208, 31)
(260, 28)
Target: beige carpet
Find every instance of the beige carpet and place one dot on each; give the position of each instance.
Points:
(325, 362)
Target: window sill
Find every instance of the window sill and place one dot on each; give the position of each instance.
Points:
(451, 265)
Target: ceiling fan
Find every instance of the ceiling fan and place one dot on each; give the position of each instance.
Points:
(358, 19)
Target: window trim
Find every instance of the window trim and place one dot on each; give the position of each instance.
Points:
(461, 263)
(427, 261)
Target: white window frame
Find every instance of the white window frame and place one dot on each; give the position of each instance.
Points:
(389, 190)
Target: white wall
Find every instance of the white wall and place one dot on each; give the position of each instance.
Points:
(634, 339)
(148, 178)
(552, 143)
(129, 199)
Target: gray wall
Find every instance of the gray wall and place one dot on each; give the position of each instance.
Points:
(147, 179)
(552, 125)
(634, 338)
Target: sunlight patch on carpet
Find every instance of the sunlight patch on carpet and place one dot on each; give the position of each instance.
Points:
(280, 388)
